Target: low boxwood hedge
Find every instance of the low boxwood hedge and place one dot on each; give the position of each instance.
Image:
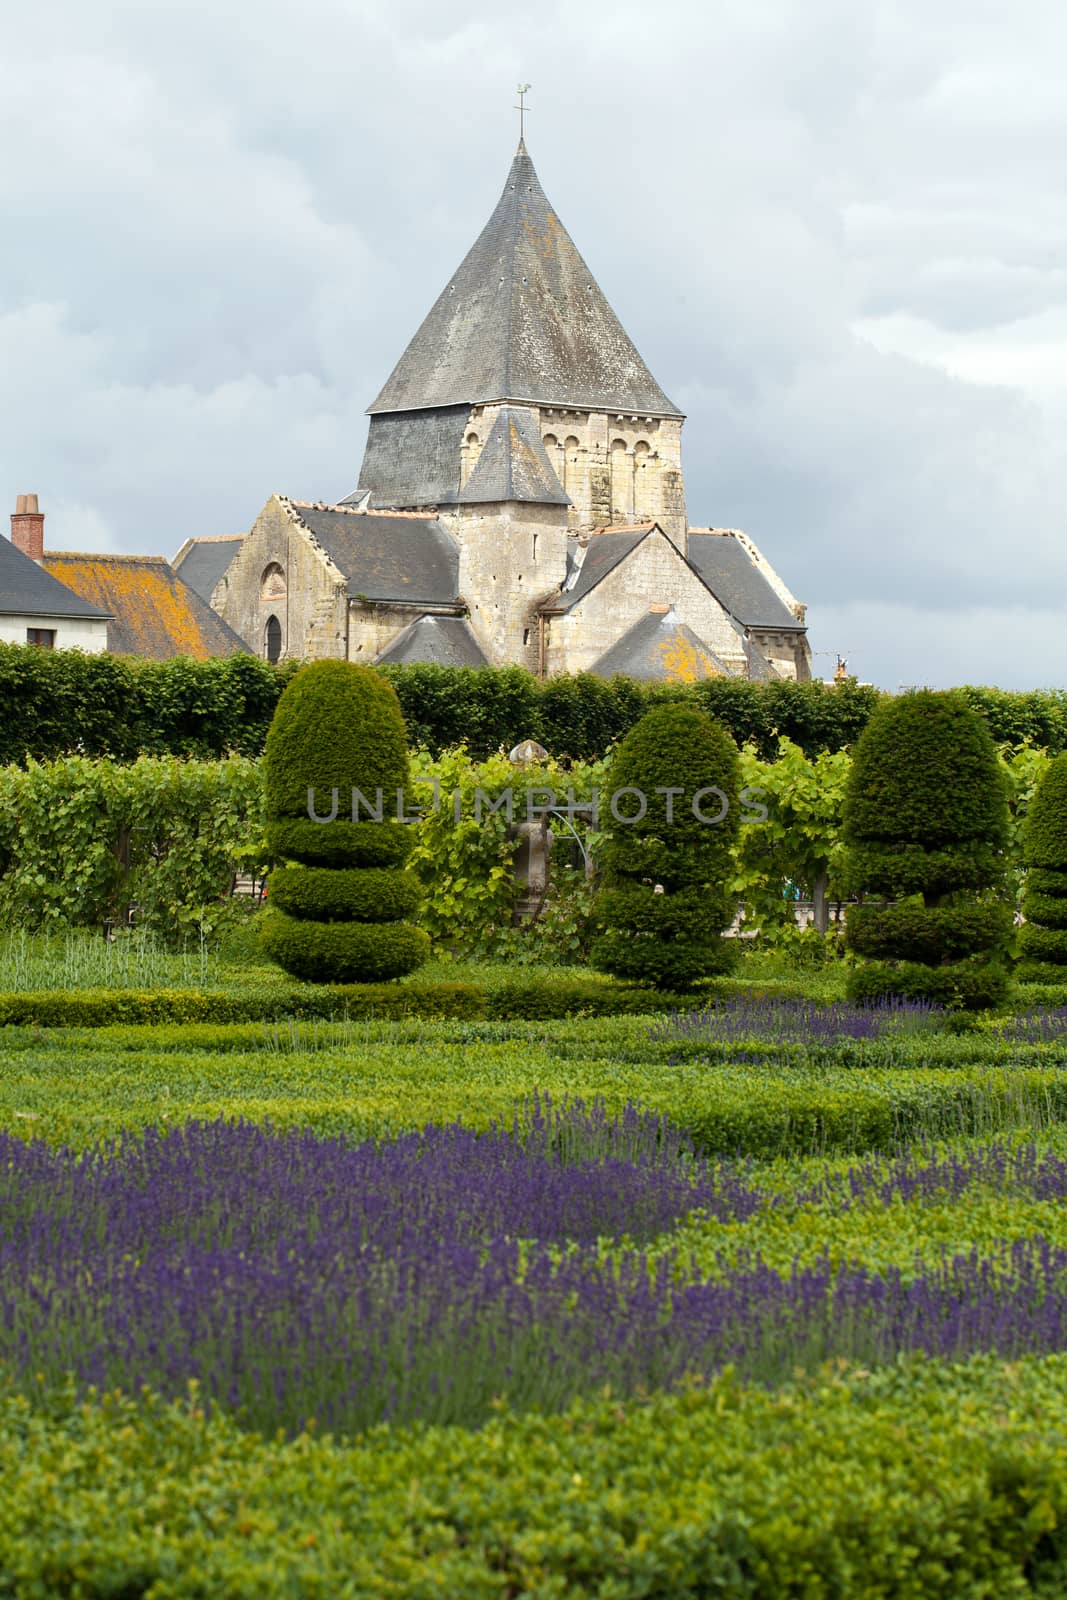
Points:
(520, 999)
(925, 1481)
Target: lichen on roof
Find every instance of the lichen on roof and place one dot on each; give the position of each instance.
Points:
(659, 648)
(156, 614)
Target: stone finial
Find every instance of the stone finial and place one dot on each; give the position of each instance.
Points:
(526, 753)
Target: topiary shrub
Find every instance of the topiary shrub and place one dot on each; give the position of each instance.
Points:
(925, 826)
(1043, 936)
(336, 915)
(663, 902)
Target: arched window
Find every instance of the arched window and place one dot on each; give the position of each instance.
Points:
(570, 463)
(642, 483)
(272, 639)
(554, 451)
(622, 482)
(272, 583)
(469, 452)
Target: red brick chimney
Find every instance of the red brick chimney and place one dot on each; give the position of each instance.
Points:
(27, 527)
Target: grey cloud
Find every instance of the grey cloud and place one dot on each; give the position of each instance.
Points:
(226, 222)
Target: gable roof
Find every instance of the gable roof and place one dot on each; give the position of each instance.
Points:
(386, 555)
(27, 589)
(737, 583)
(445, 641)
(514, 464)
(523, 319)
(660, 647)
(156, 614)
(201, 562)
(605, 549)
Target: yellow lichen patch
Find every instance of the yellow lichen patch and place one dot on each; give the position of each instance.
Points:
(154, 612)
(545, 241)
(682, 661)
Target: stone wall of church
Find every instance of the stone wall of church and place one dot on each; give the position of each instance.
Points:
(653, 575)
(788, 653)
(279, 576)
(513, 558)
(616, 469)
(372, 628)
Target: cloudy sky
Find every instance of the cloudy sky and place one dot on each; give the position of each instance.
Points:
(836, 232)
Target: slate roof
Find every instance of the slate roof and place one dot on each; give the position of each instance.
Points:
(737, 582)
(445, 641)
(514, 464)
(602, 554)
(387, 556)
(156, 613)
(523, 319)
(412, 458)
(27, 589)
(202, 562)
(659, 647)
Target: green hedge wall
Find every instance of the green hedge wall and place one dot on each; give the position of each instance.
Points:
(55, 701)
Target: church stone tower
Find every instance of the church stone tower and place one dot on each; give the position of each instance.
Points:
(522, 414)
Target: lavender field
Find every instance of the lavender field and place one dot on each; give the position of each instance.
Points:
(422, 1234)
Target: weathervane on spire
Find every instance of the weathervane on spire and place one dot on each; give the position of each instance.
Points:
(524, 89)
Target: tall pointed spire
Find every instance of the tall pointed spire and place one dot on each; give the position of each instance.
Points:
(523, 320)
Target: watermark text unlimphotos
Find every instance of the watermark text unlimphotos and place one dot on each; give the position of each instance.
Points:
(710, 805)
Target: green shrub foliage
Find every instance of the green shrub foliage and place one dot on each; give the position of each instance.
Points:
(341, 844)
(335, 952)
(973, 984)
(926, 825)
(82, 839)
(337, 914)
(912, 931)
(56, 702)
(1043, 937)
(344, 894)
(664, 899)
(1044, 880)
(1048, 910)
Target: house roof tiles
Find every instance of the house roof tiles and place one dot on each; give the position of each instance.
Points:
(27, 589)
(156, 614)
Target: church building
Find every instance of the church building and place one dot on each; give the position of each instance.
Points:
(521, 500)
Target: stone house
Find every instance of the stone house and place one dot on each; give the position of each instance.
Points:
(521, 500)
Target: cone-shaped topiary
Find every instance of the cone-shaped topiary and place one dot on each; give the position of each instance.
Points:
(925, 826)
(663, 903)
(1043, 936)
(337, 749)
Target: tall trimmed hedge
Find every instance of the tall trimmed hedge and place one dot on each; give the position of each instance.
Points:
(1043, 936)
(664, 901)
(53, 702)
(337, 907)
(926, 827)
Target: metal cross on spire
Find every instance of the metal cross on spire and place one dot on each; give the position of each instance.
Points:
(524, 89)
